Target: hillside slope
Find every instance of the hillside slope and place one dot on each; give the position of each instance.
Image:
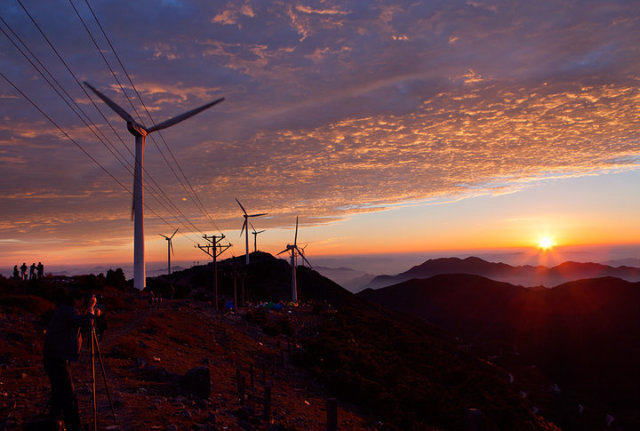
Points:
(387, 371)
(147, 351)
(583, 335)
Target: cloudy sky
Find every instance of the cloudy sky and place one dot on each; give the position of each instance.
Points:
(386, 126)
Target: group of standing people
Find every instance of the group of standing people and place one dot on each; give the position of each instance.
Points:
(35, 271)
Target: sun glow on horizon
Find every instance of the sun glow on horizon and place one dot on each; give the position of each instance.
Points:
(546, 243)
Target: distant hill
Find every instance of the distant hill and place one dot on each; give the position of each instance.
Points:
(630, 261)
(351, 279)
(584, 335)
(267, 278)
(526, 275)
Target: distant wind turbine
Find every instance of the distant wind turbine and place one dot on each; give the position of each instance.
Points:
(255, 237)
(140, 132)
(169, 249)
(295, 251)
(245, 228)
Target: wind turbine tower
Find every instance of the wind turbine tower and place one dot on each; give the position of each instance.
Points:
(169, 249)
(245, 228)
(140, 132)
(295, 251)
(255, 237)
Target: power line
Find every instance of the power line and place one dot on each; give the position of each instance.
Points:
(44, 68)
(156, 189)
(202, 208)
(195, 195)
(93, 159)
(63, 132)
(72, 101)
(86, 27)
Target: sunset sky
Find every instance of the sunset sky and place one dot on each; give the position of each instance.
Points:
(435, 127)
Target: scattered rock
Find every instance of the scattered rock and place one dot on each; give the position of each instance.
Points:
(14, 336)
(184, 413)
(241, 413)
(609, 419)
(196, 382)
(204, 403)
(246, 425)
(118, 353)
(141, 363)
(5, 359)
(179, 400)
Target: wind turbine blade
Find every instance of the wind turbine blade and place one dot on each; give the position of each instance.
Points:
(243, 226)
(165, 237)
(175, 120)
(257, 215)
(113, 105)
(243, 210)
(171, 246)
(286, 249)
(173, 234)
(295, 239)
(253, 228)
(303, 257)
(260, 231)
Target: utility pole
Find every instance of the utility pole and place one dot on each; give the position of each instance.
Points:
(214, 249)
(238, 273)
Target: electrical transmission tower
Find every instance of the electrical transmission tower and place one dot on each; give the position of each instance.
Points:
(214, 249)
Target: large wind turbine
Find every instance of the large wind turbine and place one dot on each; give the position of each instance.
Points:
(169, 249)
(255, 237)
(140, 132)
(295, 251)
(245, 228)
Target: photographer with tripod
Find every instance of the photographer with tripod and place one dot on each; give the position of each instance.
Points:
(61, 346)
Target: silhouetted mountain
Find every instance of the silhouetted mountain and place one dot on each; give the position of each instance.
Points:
(398, 371)
(526, 275)
(630, 261)
(266, 278)
(584, 335)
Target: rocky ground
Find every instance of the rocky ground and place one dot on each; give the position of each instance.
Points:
(147, 350)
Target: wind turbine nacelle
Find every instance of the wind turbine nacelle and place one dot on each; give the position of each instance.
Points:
(136, 129)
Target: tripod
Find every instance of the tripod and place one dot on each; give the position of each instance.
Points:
(95, 347)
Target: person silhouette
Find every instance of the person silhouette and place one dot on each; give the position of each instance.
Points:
(16, 273)
(32, 271)
(23, 271)
(40, 269)
(62, 344)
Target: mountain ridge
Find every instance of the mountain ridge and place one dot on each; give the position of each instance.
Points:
(525, 275)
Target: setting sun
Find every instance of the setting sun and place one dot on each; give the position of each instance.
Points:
(545, 243)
